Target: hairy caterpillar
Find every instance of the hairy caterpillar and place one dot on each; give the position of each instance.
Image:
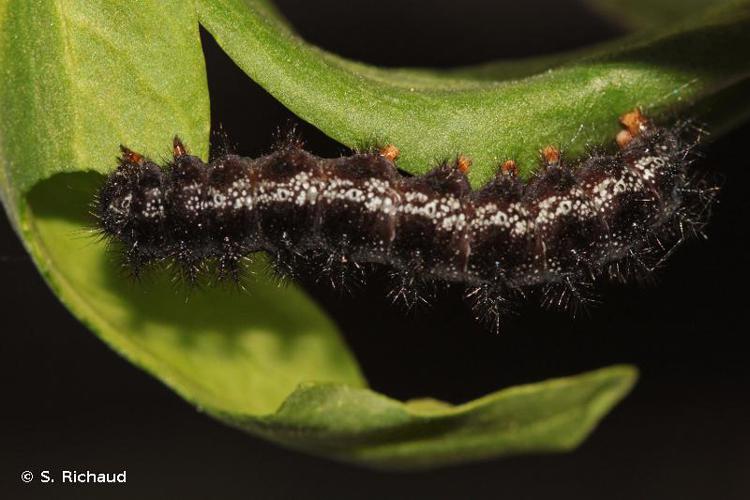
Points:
(615, 215)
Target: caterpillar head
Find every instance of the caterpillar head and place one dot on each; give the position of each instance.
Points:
(132, 198)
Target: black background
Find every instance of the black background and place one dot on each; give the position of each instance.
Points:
(68, 401)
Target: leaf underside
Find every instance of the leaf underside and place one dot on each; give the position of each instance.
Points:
(82, 76)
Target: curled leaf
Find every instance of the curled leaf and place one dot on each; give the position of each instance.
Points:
(81, 77)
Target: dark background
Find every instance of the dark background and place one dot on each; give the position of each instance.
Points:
(69, 401)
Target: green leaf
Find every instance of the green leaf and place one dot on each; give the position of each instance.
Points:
(492, 112)
(70, 72)
(81, 76)
(223, 350)
(362, 426)
(242, 357)
(84, 77)
(647, 13)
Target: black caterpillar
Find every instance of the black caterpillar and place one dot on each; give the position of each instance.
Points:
(617, 215)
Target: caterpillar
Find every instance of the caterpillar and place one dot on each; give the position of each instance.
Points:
(615, 215)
